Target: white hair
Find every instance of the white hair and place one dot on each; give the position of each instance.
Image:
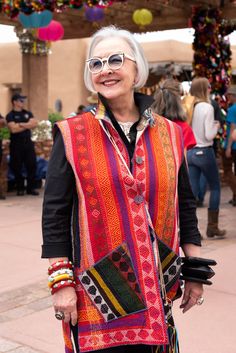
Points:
(136, 51)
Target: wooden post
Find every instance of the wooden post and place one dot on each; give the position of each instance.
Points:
(35, 84)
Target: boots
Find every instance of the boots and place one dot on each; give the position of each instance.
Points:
(212, 226)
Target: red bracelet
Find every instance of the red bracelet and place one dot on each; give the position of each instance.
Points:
(58, 265)
(62, 284)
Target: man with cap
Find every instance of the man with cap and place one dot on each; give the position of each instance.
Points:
(229, 155)
(20, 122)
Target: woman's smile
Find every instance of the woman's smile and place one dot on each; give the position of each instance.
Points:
(110, 82)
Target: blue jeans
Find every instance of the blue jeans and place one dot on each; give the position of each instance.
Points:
(202, 187)
(202, 160)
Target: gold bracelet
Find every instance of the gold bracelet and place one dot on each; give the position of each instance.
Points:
(60, 278)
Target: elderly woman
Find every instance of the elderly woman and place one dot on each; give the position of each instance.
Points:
(116, 193)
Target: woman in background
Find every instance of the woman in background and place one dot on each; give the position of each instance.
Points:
(168, 104)
(201, 159)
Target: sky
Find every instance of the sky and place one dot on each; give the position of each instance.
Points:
(7, 35)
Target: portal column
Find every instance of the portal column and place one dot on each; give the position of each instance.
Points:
(35, 84)
(34, 72)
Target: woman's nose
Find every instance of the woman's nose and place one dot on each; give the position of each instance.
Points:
(106, 67)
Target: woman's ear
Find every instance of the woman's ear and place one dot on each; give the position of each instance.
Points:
(135, 79)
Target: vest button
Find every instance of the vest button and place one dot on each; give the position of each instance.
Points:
(138, 199)
(139, 160)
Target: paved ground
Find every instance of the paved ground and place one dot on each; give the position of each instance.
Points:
(27, 324)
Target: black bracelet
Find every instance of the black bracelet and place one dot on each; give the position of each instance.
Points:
(197, 269)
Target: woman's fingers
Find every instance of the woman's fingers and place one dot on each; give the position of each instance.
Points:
(67, 317)
(193, 291)
(65, 301)
(74, 317)
(189, 304)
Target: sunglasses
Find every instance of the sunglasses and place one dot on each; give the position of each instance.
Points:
(113, 61)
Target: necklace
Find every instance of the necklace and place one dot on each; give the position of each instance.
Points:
(126, 127)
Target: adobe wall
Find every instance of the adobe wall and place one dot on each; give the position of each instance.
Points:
(66, 66)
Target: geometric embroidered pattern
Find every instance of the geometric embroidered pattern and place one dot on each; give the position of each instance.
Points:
(113, 213)
(171, 265)
(112, 286)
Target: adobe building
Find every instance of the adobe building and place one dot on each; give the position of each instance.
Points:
(65, 84)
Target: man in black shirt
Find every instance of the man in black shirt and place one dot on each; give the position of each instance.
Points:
(20, 122)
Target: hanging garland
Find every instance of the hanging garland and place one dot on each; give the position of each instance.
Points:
(12, 8)
(212, 54)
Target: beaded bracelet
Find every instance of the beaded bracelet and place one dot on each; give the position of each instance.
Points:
(62, 284)
(59, 265)
(59, 279)
(62, 271)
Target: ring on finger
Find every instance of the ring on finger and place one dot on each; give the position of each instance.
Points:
(59, 315)
(200, 301)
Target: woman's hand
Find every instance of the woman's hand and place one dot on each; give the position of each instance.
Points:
(65, 300)
(192, 292)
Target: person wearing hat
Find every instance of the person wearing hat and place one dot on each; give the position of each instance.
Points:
(20, 122)
(229, 153)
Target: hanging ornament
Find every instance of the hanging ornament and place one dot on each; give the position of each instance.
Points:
(94, 14)
(53, 32)
(36, 19)
(212, 54)
(142, 17)
(29, 44)
(104, 4)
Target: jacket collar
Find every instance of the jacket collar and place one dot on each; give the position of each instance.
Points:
(142, 101)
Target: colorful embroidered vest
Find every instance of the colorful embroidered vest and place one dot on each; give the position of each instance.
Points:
(119, 301)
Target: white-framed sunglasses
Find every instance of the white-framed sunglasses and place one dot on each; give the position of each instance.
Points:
(113, 61)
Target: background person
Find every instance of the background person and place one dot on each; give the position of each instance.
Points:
(229, 152)
(2, 176)
(168, 104)
(109, 170)
(201, 158)
(20, 122)
(203, 181)
(234, 135)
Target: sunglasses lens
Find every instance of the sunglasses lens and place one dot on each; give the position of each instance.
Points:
(95, 65)
(115, 61)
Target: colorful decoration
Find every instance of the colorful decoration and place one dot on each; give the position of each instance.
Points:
(104, 4)
(142, 17)
(29, 44)
(212, 54)
(101, 4)
(13, 8)
(53, 32)
(94, 14)
(36, 19)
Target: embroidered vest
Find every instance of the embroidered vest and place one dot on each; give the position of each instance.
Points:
(119, 301)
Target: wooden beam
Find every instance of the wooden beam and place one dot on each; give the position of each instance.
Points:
(170, 14)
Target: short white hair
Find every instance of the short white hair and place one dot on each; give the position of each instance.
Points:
(136, 51)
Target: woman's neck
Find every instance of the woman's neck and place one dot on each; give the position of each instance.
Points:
(124, 111)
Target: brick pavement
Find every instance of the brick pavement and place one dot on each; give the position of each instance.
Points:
(27, 324)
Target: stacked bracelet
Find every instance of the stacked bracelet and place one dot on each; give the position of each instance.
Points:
(62, 284)
(60, 275)
(59, 265)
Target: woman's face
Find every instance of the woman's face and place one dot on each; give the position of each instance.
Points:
(114, 84)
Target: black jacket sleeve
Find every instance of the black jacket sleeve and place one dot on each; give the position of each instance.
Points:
(58, 203)
(188, 222)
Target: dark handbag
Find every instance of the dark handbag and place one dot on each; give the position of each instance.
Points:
(196, 269)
